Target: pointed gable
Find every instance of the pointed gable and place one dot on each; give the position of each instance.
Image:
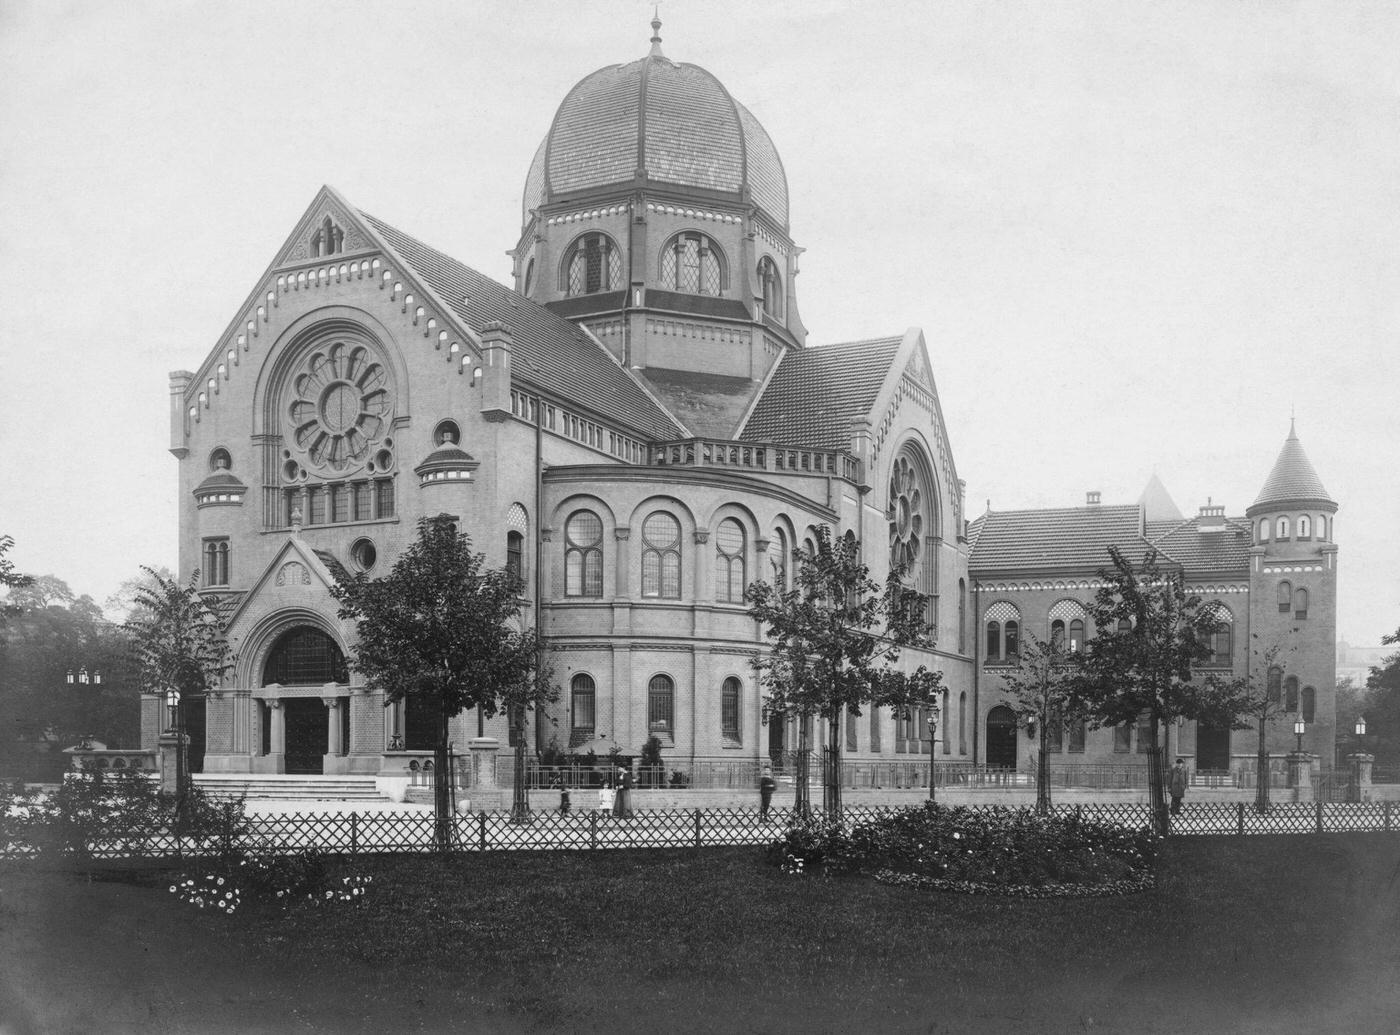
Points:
(815, 393)
(1293, 479)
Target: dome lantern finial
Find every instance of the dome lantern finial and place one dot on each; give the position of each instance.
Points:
(656, 32)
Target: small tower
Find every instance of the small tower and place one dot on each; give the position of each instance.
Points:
(1293, 596)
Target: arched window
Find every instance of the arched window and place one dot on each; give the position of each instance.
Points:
(1290, 694)
(1304, 527)
(517, 524)
(1125, 625)
(778, 559)
(1057, 635)
(962, 616)
(305, 657)
(693, 264)
(661, 557)
(962, 723)
(583, 555)
(1285, 597)
(771, 288)
(446, 433)
(1282, 532)
(1275, 690)
(592, 263)
(219, 460)
(1003, 631)
(1263, 530)
(1222, 641)
(328, 239)
(729, 562)
(729, 709)
(1309, 703)
(1076, 635)
(583, 703)
(216, 562)
(529, 275)
(945, 721)
(661, 707)
(1300, 603)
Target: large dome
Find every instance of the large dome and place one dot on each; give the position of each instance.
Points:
(674, 121)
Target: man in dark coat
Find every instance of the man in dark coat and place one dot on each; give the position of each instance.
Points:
(1177, 787)
(766, 786)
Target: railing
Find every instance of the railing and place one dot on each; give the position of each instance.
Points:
(748, 456)
(413, 831)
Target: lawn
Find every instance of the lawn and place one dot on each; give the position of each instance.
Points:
(1259, 934)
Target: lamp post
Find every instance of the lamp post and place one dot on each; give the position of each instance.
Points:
(932, 746)
(1354, 787)
(1299, 728)
(82, 679)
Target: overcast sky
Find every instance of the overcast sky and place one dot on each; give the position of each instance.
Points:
(1138, 236)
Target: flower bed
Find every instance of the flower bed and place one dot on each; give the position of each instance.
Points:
(998, 851)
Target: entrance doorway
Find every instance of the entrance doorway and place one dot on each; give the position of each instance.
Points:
(305, 748)
(776, 728)
(1001, 738)
(1212, 748)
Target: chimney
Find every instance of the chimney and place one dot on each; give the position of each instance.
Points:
(1211, 518)
(1092, 499)
(496, 345)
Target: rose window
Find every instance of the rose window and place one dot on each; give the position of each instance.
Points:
(905, 514)
(341, 406)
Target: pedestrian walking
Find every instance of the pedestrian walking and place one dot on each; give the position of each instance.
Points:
(766, 786)
(1178, 785)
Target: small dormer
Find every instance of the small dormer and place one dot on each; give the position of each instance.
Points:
(1211, 518)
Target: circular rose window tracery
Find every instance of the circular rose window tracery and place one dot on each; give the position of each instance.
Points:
(341, 406)
(905, 514)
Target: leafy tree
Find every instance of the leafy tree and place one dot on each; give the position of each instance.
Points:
(10, 580)
(836, 637)
(1261, 702)
(1383, 705)
(42, 591)
(1149, 635)
(178, 642)
(443, 629)
(122, 603)
(1042, 685)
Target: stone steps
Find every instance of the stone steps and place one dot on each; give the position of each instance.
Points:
(286, 787)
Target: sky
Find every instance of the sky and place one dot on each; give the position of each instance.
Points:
(1138, 237)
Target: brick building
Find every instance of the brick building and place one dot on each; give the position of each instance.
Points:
(638, 423)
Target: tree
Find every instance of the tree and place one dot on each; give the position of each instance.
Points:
(1042, 686)
(1383, 705)
(179, 644)
(122, 603)
(10, 579)
(836, 637)
(1262, 702)
(443, 630)
(42, 591)
(1149, 635)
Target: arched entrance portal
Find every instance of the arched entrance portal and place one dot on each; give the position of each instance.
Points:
(311, 727)
(1001, 738)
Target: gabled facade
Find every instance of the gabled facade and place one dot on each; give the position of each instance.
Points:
(1271, 574)
(640, 464)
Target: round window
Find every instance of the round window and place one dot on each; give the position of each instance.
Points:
(447, 433)
(364, 554)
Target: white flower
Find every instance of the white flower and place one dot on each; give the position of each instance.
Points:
(221, 882)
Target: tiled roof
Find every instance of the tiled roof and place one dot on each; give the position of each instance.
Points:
(1075, 538)
(815, 393)
(710, 405)
(549, 353)
(1293, 479)
(1226, 550)
(673, 120)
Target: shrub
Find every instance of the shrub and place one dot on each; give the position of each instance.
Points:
(999, 847)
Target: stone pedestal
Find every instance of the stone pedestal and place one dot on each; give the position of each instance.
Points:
(168, 760)
(484, 751)
(1360, 775)
(1300, 775)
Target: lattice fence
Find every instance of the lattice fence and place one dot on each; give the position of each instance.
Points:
(412, 831)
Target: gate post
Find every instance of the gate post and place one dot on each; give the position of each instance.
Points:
(354, 832)
(1386, 812)
(1239, 818)
(481, 830)
(593, 829)
(697, 828)
(1319, 817)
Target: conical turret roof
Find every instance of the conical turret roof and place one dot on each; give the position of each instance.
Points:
(1293, 479)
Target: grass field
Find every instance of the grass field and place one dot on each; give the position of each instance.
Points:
(1261, 934)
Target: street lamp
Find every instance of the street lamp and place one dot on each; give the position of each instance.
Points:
(1354, 790)
(932, 743)
(82, 679)
(1299, 728)
(172, 702)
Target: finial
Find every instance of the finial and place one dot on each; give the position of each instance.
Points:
(656, 31)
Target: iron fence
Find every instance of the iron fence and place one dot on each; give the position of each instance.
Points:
(352, 833)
